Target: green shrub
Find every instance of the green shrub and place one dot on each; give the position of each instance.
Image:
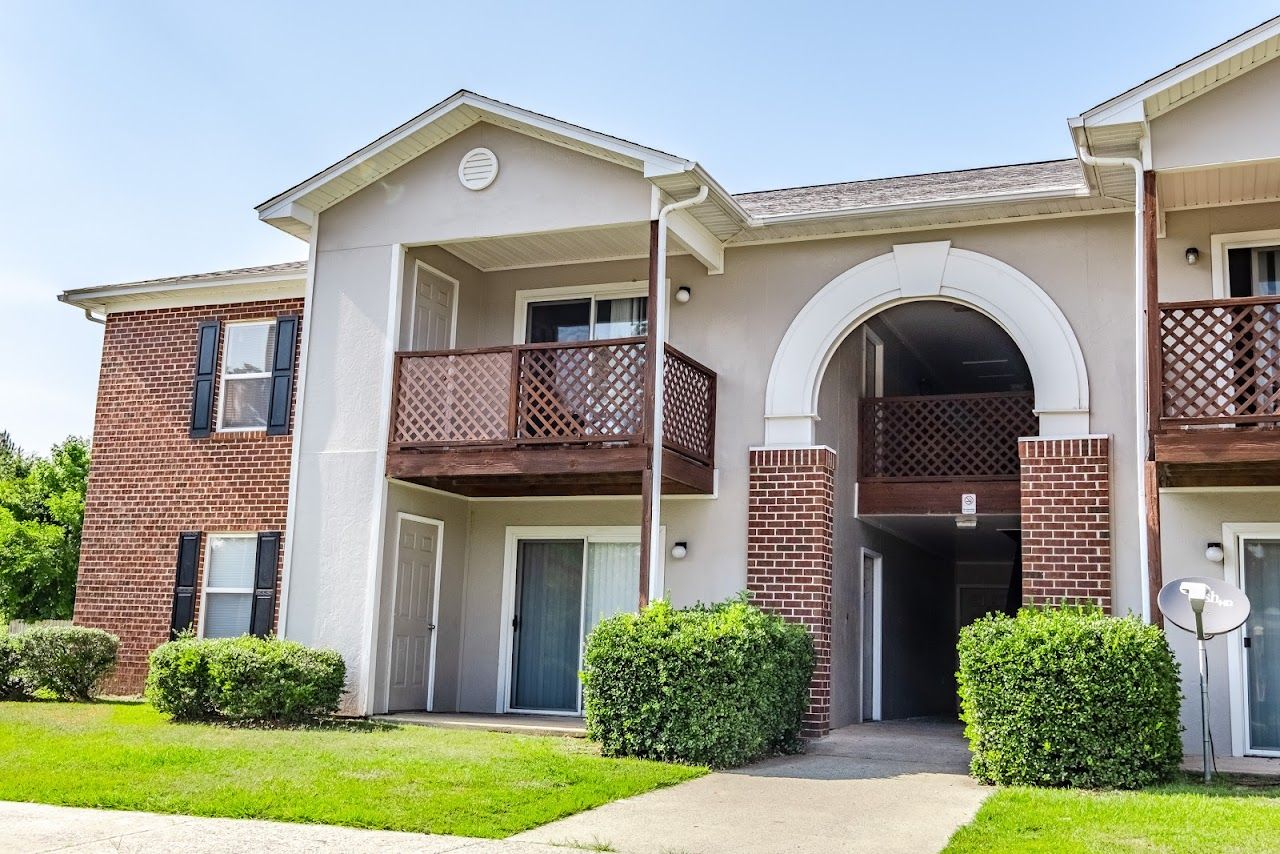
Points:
(246, 678)
(1069, 697)
(66, 661)
(11, 686)
(719, 685)
(178, 679)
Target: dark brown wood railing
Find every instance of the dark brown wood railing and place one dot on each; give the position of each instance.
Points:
(548, 394)
(943, 437)
(1219, 362)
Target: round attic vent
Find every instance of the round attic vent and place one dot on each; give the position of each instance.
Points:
(478, 168)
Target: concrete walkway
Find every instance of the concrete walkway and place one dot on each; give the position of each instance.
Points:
(30, 828)
(888, 787)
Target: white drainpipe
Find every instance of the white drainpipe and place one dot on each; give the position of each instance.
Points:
(1140, 353)
(658, 315)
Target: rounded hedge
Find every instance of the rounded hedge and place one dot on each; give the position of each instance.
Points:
(68, 662)
(245, 678)
(10, 684)
(719, 685)
(1069, 697)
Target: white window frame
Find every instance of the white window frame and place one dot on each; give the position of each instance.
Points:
(418, 268)
(607, 291)
(1233, 536)
(870, 340)
(205, 589)
(587, 534)
(877, 627)
(1222, 243)
(222, 373)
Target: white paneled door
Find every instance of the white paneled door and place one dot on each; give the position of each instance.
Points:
(434, 300)
(414, 611)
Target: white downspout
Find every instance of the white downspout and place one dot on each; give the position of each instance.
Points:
(1140, 352)
(658, 313)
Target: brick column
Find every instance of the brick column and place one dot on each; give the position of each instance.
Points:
(1066, 520)
(790, 509)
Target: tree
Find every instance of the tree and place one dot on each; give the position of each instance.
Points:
(41, 516)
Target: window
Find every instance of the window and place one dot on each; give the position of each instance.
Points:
(227, 606)
(1254, 271)
(245, 395)
(1246, 264)
(583, 314)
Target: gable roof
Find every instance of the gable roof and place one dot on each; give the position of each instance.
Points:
(1186, 80)
(294, 209)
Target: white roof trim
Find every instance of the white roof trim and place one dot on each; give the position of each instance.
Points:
(1129, 106)
(650, 161)
(172, 293)
(906, 207)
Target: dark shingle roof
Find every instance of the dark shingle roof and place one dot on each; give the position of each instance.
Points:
(1064, 175)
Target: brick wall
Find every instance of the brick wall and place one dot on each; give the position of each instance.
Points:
(789, 557)
(1066, 520)
(150, 480)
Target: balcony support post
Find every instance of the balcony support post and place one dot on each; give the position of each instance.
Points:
(648, 500)
(1155, 374)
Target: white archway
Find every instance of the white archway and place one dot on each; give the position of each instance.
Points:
(916, 271)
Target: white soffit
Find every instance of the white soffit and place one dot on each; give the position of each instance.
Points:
(1234, 184)
(246, 284)
(548, 249)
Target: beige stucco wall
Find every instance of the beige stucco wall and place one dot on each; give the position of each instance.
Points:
(540, 187)
(734, 324)
(1195, 228)
(1190, 520)
(1237, 121)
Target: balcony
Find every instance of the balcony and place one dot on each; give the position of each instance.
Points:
(548, 419)
(919, 454)
(1218, 364)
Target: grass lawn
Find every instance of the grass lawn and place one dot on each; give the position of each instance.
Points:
(125, 755)
(1182, 817)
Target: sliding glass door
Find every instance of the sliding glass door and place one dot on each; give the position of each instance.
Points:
(563, 588)
(1260, 574)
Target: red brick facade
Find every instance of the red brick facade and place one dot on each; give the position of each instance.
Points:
(789, 553)
(150, 481)
(1066, 520)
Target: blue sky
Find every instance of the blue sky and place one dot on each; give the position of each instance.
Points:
(138, 137)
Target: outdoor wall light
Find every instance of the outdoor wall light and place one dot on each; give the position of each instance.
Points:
(1213, 552)
(679, 550)
(684, 293)
(1193, 255)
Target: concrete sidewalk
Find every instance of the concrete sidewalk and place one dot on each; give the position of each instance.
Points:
(885, 787)
(30, 828)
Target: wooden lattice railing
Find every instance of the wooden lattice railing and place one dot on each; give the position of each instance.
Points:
(1219, 362)
(943, 437)
(548, 394)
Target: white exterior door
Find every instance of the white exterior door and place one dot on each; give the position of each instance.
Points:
(413, 615)
(434, 299)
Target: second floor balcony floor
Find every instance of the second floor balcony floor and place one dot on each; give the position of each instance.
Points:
(549, 418)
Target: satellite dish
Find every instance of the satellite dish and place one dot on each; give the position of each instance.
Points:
(1222, 606)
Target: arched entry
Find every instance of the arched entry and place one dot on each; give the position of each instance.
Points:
(799, 550)
(927, 271)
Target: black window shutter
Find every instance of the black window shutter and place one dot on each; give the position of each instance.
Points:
(264, 585)
(282, 375)
(184, 587)
(206, 370)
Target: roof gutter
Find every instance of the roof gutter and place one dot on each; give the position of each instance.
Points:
(1140, 354)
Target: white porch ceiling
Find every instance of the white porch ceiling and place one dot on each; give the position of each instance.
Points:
(559, 247)
(1238, 183)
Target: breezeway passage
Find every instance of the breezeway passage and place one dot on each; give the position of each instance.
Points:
(899, 786)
